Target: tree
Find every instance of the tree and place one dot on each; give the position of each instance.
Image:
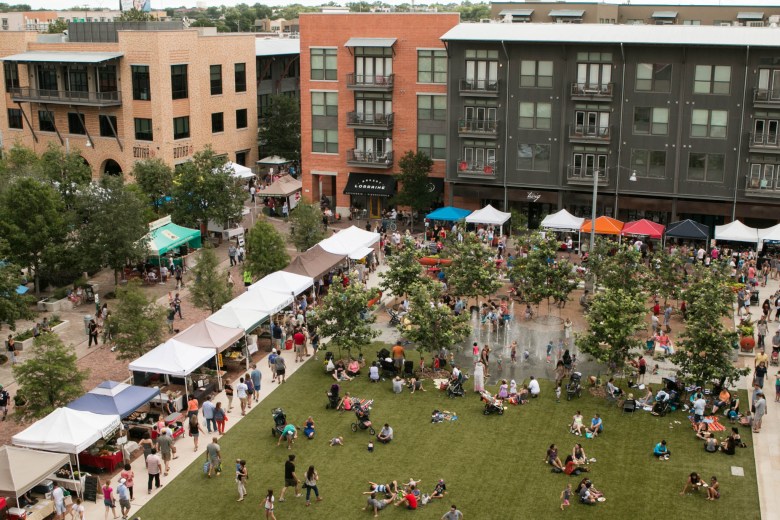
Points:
(155, 178)
(138, 322)
(18, 162)
(404, 271)
(135, 15)
(67, 171)
(615, 321)
(57, 26)
(416, 189)
(433, 326)
(538, 275)
(307, 229)
(280, 133)
(209, 289)
(473, 272)
(31, 220)
(666, 275)
(343, 316)
(266, 251)
(49, 379)
(617, 266)
(204, 189)
(470, 12)
(704, 351)
(13, 306)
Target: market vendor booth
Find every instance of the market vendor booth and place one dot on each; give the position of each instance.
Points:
(282, 282)
(166, 239)
(285, 187)
(315, 263)
(229, 343)
(351, 242)
(25, 479)
(489, 216)
(563, 222)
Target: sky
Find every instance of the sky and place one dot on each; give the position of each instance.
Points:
(162, 4)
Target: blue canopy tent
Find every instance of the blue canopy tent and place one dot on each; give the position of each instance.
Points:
(112, 398)
(448, 213)
(22, 289)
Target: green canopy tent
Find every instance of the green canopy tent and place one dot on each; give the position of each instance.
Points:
(165, 236)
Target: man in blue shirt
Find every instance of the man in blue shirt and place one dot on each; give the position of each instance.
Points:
(256, 377)
(661, 451)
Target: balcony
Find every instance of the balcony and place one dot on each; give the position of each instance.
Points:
(66, 97)
(477, 128)
(592, 91)
(589, 134)
(477, 170)
(369, 121)
(478, 87)
(382, 161)
(766, 98)
(584, 175)
(766, 185)
(764, 143)
(370, 82)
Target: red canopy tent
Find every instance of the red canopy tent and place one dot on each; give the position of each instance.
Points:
(643, 228)
(604, 226)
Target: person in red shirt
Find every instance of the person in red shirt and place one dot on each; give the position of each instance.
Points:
(657, 308)
(410, 499)
(299, 340)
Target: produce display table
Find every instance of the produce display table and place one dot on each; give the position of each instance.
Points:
(104, 462)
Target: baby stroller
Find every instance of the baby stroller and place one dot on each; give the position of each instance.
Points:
(574, 388)
(362, 412)
(333, 397)
(455, 387)
(280, 421)
(492, 404)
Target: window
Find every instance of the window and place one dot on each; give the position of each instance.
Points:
(479, 156)
(434, 145)
(323, 64)
(651, 120)
(143, 129)
(241, 157)
(764, 175)
(586, 164)
(107, 80)
(217, 122)
(373, 106)
(653, 77)
(536, 74)
(765, 131)
(591, 120)
(11, 76)
(373, 65)
(480, 114)
(179, 82)
(215, 73)
(107, 126)
(768, 85)
(324, 141)
(324, 104)
(432, 66)
(264, 105)
(432, 108)
(649, 163)
(46, 121)
(535, 115)
(712, 79)
(691, 22)
(242, 120)
(533, 157)
(240, 77)
(706, 167)
(264, 67)
(47, 77)
(77, 78)
(709, 123)
(181, 127)
(594, 70)
(141, 89)
(15, 118)
(481, 70)
(76, 123)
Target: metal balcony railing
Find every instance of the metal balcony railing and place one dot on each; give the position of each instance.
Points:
(584, 175)
(358, 120)
(479, 87)
(370, 82)
(66, 97)
(370, 159)
(592, 90)
(477, 127)
(590, 133)
(766, 96)
(477, 169)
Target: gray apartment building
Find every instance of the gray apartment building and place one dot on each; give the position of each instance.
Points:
(673, 122)
(278, 64)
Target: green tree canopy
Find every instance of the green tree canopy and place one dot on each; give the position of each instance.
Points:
(266, 251)
(57, 26)
(306, 228)
(138, 322)
(473, 272)
(13, 306)
(49, 379)
(617, 266)
(433, 326)
(280, 131)
(67, 171)
(538, 275)
(155, 178)
(209, 288)
(135, 15)
(404, 270)
(415, 182)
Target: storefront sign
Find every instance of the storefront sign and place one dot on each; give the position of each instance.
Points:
(180, 152)
(142, 152)
(371, 186)
(533, 196)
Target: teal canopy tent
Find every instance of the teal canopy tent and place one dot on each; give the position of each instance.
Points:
(165, 236)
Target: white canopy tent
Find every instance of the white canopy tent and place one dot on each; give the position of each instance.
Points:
(280, 282)
(268, 300)
(21, 469)
(247, 319)
(238, 171)
(736, 232)
(771, 234)
(350, 241)
(488, 215)
(562, 221)
(174, 358)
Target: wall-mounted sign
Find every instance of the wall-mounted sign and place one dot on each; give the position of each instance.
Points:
(533, 196)
(142, 152)
(182, 151)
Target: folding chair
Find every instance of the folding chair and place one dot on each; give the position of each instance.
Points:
(629, 406)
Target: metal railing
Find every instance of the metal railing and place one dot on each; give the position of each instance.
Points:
(483, 86)
(763, 95)
(370, 81)
(590, 132)
(370, 159)
(765, 140)
(478, 126)
(372, 120)
(66, 96)
(477, 168)
(592, 90)
(585, 174)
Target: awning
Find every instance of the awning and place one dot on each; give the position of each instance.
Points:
(349, 241)
(172, 358)
(283, 283)
(604, 226)
(747, 15)
(448, 213)
(361, 253)
(315, 262)
(273, 160)
(112, 398)
(516, 12)
(284, 186)
(67, 431)
(63, 57)
(643, 227)
(167, 236)
(238, 171)
(267, 301)
(687, 229)
(370, 42)
(370, 184)
(664, 14)
(246, 319)
(567, 13)
(206, 334)
(22, 469)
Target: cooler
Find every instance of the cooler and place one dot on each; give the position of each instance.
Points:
(17, 514)
(47, 486)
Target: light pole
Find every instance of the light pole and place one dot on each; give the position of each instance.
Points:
(596, 174)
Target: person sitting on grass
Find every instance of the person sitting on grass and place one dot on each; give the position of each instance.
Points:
(613, 390)
(577, 427)
(702, 430)
(586, 496)
(578, 454)
(724, 399)
(353, 369)
(596, 425)
(346, 403)
(385, 435)
(377, 504)
(660, 401)
(385, 489)
(290, 433)
(693, 483)
(661, 451)
(373, 373)
(340, 374)
(729, 444)
(647, 400)
(415, 385)
(552, 457)
(409, 498)
(713, 492)
(440, 489)
(308, 430)
(572, 468)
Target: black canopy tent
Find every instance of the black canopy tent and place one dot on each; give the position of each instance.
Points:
(689, 229)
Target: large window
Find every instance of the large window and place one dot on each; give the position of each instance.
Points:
(15, 118)
(706, 167)
(77, 78)
(47, 77)
(46, 121)
(217, 122)
(709, 123)
(179, 88)
(712, 79)
(323, 64)
(651, 120)
(325, 104)
(373, 65)
(765, 131)
(587, 164)
(215, 74)
(594, 70)
(432, 66)
(324, 141)
(76, 123)
(107, 126)
(764, 175)
(181, 127)
(141, 89)
(433, 145)
(534, 115)
(143, 129)
(478, 155)
(533, 157)
(11, 75)
(768, 85)
(373, 106)
(240, 77)
(432, 108)
(242, 120)
(649, 163)
(653, 77)
(536, 74)
(107, 79)
(591, 121)
(481, 69)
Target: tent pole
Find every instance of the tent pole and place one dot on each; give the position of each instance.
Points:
(78, 466)
(216, 361)
(78, 480)
(246, 349)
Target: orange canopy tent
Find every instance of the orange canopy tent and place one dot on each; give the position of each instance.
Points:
(604, 226)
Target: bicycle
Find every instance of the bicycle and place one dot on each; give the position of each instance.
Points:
(389, 224)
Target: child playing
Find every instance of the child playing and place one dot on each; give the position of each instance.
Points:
(513, 353)
(549, 351)
(337, 441)
(558, 393)
(565, 496)
(475, 352)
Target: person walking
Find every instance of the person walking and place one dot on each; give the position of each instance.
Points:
(759, 411)
(281, 368)
(250, 390)
(58, 497)
(10, 347)
(310, 483)
(232, 254)
(177, 305)
(93, 333)
(219, 417)
(241, 392)
(256, 377)
(129, 476)
(124, 498)
(240, 254)
(109, 500)
(5, 400)
(247, 278)
(195, 430)
(171, 315)
(208, 414)
(179, 278)
(165, 448)
(290, 478)
(229, 394)
(241, 476)
(214, 454)
(268, 505)
(154, 465)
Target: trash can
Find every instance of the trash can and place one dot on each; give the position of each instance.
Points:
(87, 319)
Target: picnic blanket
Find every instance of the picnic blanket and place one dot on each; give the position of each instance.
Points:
(712, 421)
(437, 416)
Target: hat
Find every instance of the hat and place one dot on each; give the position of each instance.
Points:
(122, 480)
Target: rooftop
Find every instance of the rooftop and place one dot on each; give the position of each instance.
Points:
(277, 46)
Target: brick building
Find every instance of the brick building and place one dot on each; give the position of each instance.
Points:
(373, 87)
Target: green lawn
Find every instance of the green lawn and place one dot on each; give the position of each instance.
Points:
(492, 464)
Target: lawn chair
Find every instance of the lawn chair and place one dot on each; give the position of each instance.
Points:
(629, 406)
(612, 399)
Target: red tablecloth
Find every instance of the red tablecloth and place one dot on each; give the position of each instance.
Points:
(107, 462)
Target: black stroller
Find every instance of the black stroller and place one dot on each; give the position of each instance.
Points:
(455, 387)
(333, 397)
(385, 363)
(574, 388)
(280, 421)
(362, 412)
(492, 404)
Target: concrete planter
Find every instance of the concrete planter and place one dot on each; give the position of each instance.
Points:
(42, 304)
(59, 305)
(60, 326)
(25, 344)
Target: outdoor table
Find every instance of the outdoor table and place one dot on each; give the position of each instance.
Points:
(104, 462)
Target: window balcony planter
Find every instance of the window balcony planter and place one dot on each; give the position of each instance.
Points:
(477, 170)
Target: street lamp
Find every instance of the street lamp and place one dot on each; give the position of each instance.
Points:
(596, 174)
